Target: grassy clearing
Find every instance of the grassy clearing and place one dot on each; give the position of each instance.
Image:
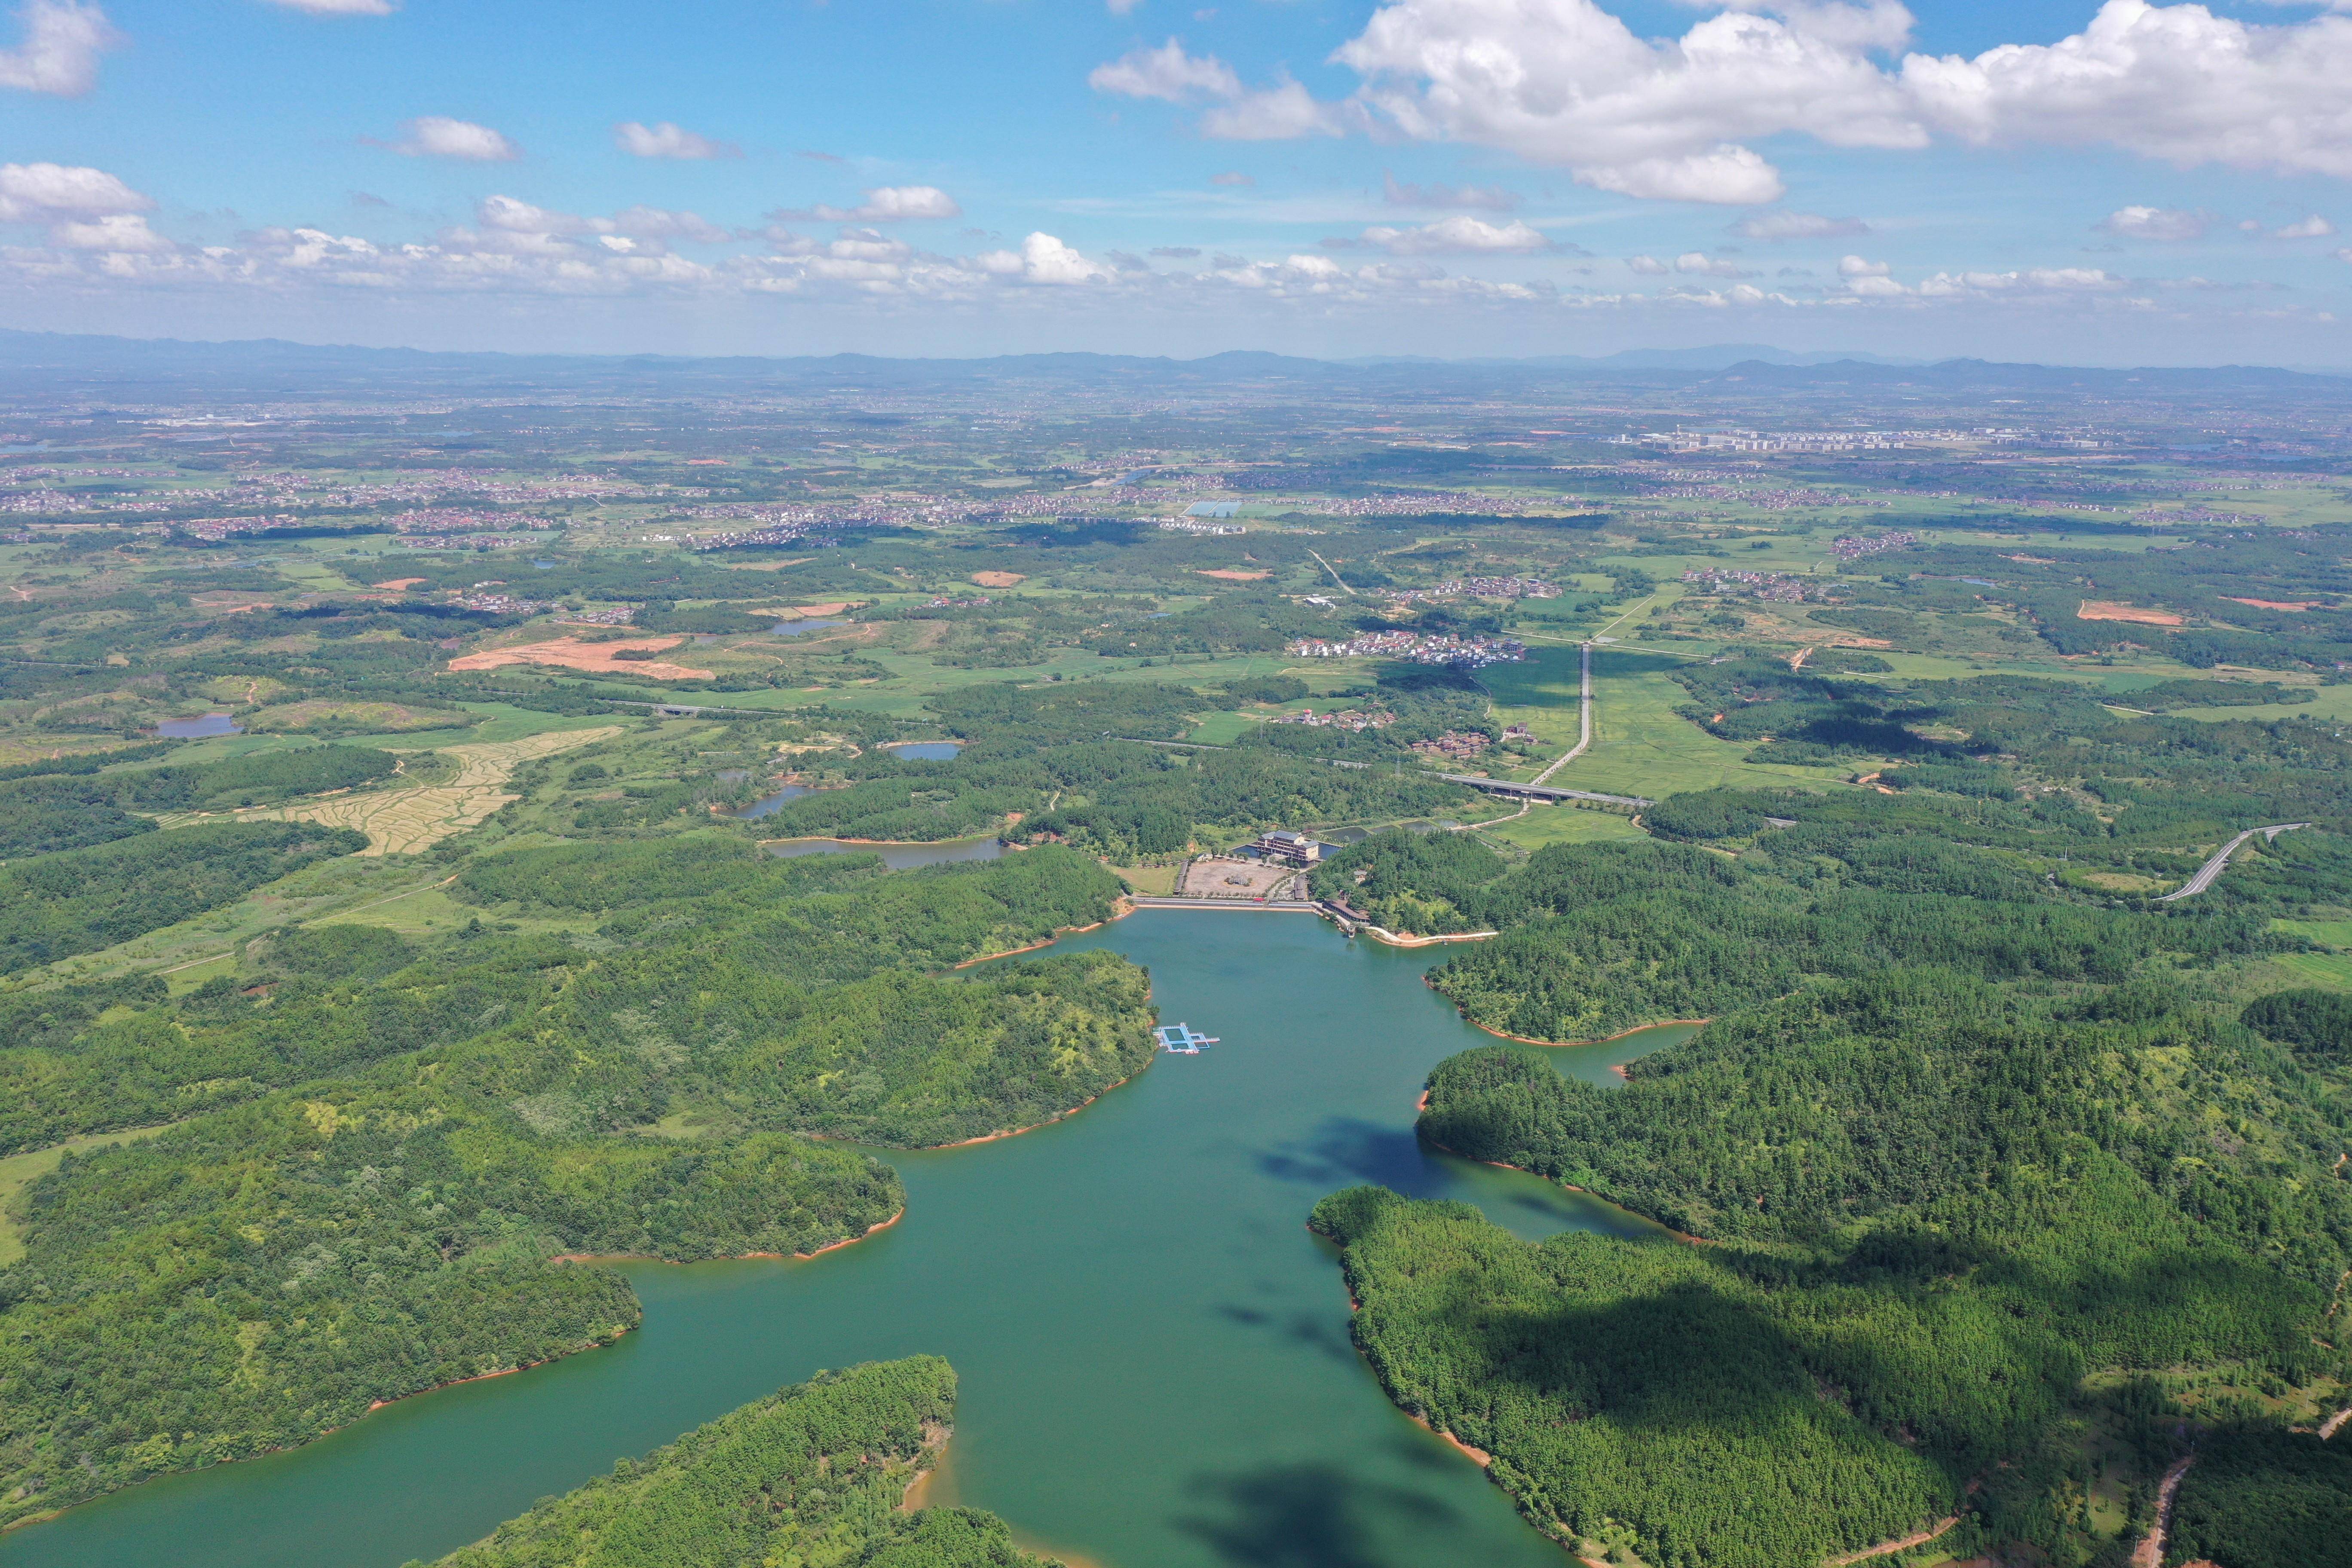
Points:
(1563, 825)
(1158, 881)
(19, 1171)
(431, 911)
(1221, 729)
(2331, 703)
(1540, 692)
(2329, 971)
(1642, 746)
(185, 977)
(2331, 934)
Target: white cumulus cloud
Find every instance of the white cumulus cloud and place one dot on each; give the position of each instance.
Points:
(1708, 265)
(1785, 225)
(1167, 73)
(63, 39)
(116, 231)
(1566, 83)
(668, 141)
(1274, 113)
(1041, 259)
(1460, 234)
(883, 204)
(45, 192)
(2312, 227)
(2157, 223)
(438, 136)
(1855, 266)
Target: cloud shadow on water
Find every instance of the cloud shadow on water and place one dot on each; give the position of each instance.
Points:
(1346, 1149)
(1312, 1516)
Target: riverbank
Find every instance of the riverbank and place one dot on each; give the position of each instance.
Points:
(1406, 939)
(1120, 909)
(1563, 1044)
(1421, 1105)
(732, 1258)
(1059, 1116)
(374, 1406)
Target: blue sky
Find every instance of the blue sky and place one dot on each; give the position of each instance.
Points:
(2125, 184)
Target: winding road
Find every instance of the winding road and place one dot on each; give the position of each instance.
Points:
(2212, 867)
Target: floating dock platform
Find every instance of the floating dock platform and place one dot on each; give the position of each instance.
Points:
(1182, 1039)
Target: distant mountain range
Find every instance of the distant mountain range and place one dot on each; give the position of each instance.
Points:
(97, 366)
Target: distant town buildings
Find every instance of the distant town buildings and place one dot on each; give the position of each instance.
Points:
(1194, 525)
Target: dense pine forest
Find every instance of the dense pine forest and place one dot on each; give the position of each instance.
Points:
(1991, 1181)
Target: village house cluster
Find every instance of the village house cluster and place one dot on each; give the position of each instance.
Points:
(1457, 745)
(1775, 585)
(1855, 548)
(1345, 718)
(1482, 588)
(1414, 647)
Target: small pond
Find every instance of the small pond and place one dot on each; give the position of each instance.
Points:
(199, 727)
(767, 808)
(795, 628)
(926, 750)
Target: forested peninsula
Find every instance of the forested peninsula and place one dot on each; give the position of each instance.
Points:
(371, 1173)
(814, 1476)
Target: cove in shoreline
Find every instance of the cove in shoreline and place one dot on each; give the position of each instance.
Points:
(1089, 1287)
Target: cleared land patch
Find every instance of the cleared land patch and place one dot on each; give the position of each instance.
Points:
(403, 821)
(2109, 610)
(598, 657)
(809, 612)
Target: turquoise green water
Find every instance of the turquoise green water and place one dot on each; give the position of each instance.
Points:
(1155, 1368)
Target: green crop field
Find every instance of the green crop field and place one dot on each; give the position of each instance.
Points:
(1640, 745)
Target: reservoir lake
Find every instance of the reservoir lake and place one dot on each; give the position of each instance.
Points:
(1154, 1352)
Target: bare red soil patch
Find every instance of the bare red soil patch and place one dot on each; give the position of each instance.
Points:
(570, 653)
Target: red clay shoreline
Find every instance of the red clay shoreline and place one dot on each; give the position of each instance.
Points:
(1562, 1045)
(1062, 1116)
(737, 1257)
(1120, 910)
